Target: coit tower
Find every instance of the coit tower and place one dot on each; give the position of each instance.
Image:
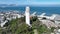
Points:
(27, 14)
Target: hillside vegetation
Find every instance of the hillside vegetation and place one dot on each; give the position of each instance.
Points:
(18, 26)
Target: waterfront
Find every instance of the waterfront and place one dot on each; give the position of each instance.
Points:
(39, 10)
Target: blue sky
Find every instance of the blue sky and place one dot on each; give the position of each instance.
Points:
(31, 2)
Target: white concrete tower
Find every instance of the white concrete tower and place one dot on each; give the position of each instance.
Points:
(27, 14)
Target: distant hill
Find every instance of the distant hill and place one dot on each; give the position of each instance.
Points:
(8, 5)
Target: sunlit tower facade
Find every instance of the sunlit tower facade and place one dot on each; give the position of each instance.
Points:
(27, 14)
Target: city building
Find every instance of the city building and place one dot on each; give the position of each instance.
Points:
(50, 21)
